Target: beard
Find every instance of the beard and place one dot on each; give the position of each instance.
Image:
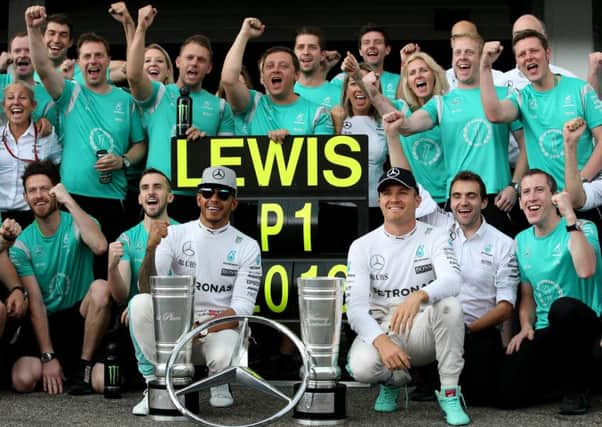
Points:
(154, 215)
(43, 213)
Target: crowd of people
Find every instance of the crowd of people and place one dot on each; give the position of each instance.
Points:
(484, 259)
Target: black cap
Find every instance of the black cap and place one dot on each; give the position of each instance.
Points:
(397, 176)
(184, 90)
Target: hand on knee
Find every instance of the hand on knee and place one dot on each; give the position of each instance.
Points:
(25, 378)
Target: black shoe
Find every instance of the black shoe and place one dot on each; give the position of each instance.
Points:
(423, 393)
(574, 404)
(81, 383)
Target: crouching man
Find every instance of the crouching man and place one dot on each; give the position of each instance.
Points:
(402, 279)
(227, 267)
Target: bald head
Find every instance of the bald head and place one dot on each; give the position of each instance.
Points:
(528, 22)
(463, 27)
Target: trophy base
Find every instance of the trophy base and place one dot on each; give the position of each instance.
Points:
(160, 406)
(321, 406)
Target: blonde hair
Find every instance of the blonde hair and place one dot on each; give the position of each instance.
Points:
(24, 85)
(345, 99)
(470, 35)
(170, 78)
(440, 85)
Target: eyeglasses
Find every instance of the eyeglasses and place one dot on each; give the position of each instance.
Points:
(222, 193)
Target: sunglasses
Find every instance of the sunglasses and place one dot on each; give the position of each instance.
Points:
(222, 193)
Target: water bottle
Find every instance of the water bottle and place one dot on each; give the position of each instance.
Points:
(183, 112)
(104, 177)
(112, 372)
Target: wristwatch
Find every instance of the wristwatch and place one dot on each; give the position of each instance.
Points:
(20, 288)
(46, 357)
(573, 227)
(126, 162)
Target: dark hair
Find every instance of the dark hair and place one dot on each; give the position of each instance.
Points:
(42, 167)
(525, 34)
(373, 27)
(314, 31)
(19, 34)
(199, 39)
(149, 171)
(549, 178)
(61, 19)
(470, 176)
(280, 49)
(92, 38)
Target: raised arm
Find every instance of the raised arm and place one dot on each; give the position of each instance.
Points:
(367, 84)
(9, 230)
(148, 268)
(582, 252)
(419, 121)
(404, 53)
(140, 83)
(496, 111)
(593, 71)
(121, 14)
(89, 229)
(53, 81)
(573, 184)
(237, 93)
(397, 157)
(119, 273)
(594, 165)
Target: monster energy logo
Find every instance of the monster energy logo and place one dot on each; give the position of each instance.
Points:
(113, 374)
(182, 112)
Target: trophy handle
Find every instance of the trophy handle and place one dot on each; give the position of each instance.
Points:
(237, 372)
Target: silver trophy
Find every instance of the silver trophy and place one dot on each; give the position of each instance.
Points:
(173, 309)
(320, 312)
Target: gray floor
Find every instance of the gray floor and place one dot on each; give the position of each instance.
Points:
(38, 409)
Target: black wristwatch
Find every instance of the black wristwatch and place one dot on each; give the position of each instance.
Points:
(514, 185)
(20, 288)
(126, 162)
(573, 227)
(46, 357)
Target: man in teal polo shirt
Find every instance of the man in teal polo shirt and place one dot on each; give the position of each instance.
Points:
(94, 116)
(281, 112)
(312, 85)
(70, 310)
(211, 116)
(127, 252)
(560, 302)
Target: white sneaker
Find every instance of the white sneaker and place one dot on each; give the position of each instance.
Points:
(221, 396)
(141, 407)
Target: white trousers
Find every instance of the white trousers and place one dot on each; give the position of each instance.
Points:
(437, 334)
(215, 350)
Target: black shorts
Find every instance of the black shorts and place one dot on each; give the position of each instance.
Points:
(66, 334)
